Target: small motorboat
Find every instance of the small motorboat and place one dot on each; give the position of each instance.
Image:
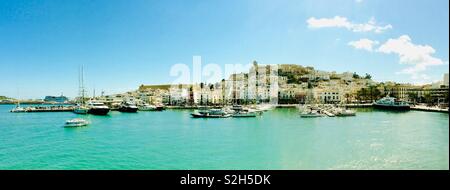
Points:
(77, 122)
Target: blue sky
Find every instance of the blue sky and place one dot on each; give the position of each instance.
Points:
(123, 44)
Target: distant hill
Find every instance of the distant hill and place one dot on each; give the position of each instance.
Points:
(3, 97)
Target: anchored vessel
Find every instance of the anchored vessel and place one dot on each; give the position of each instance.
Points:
(97, 108)
(128, 107)
(391, 103)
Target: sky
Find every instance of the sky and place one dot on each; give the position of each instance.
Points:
(123, 44)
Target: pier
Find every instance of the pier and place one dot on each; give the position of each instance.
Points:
(429, 109)
(48, 109)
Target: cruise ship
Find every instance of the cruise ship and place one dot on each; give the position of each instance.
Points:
(390, 103)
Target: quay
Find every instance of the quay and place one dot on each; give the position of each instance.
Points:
(366, 105)
(49, 109)
(429, 109)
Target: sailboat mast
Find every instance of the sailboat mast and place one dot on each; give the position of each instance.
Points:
(82, 85)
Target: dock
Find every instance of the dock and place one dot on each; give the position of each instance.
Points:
(429, 109)
(366, 105)
(49, 109)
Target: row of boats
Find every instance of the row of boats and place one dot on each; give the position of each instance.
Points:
(310, 111)
(234, 111)
(99, 108)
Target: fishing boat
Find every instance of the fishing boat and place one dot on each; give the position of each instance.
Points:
(128, 107)
(77, 122)
(391, 103)
(97, 108)
(210, 113)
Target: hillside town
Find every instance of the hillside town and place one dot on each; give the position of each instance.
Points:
(279, 84)
(288, 84)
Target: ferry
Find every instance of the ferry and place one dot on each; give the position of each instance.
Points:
(97, 108)
(390, 103)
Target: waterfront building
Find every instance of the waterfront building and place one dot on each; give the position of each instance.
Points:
(446, 79)
(331, 96)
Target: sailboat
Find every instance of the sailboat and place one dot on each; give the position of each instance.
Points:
(81, 107)
(18, 109)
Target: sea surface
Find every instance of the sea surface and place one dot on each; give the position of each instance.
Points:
(171, 139)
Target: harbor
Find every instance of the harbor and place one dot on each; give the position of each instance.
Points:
(171, 139)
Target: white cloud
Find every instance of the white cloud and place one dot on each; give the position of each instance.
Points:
(342, 22)
(358, 1)
(419, 56)
(364, 44)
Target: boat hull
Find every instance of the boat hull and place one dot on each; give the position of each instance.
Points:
(128, 109)
(98, 111)
(244, 115)
(194, 115)
(81, 111)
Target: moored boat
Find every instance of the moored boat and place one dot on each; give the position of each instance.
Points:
(311, 114)
(210, 113)
(147, 107)
(97, 108)
(80, 109)
(239, 111)
(128, 107)
(391, 103)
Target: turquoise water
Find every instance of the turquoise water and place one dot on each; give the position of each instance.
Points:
(280, 139)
